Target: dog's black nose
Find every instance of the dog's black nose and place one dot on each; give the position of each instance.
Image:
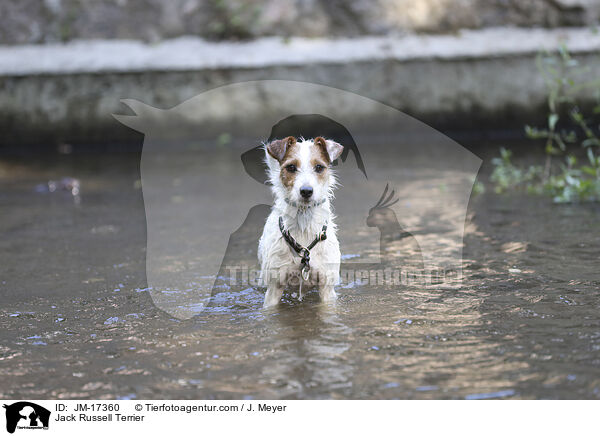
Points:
(306, 191)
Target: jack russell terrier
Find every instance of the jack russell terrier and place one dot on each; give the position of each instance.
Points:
(299, 246)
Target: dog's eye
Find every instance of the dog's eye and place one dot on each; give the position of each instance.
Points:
(319, 168)
(291, 168)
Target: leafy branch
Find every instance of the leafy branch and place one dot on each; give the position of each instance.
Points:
(559, 176)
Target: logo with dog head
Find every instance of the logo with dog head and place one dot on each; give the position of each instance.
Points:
(26, 415)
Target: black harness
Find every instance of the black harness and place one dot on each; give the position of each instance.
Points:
(303, 252)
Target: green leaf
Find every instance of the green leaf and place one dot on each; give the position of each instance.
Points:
(591, 157)
(535, 133)
(588, 170)
(570, 137)
(576, 115)
(560, 142)
(552, 119)
(590, 141)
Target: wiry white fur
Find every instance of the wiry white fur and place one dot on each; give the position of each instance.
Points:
(278, 261)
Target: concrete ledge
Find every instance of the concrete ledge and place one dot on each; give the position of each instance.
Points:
(68, 92)
(189, 53)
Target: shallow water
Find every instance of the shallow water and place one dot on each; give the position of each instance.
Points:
(77, 320)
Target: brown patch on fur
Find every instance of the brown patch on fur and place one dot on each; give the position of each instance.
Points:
(281, 148)
(319, 156)
(287, 177)
(322, 147)
(323, 174)
(291, 146)
(288, 158)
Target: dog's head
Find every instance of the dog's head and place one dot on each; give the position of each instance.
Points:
(300, 170)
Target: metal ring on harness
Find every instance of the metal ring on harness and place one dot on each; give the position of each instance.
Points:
(305, 272)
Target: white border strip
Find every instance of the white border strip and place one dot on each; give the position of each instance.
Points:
(317, 417)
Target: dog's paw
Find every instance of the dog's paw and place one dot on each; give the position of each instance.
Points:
(272, 298)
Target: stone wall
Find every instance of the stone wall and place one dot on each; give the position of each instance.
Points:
(474, 81)
(47, 21)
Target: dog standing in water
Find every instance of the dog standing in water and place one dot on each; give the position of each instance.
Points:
(299, 249)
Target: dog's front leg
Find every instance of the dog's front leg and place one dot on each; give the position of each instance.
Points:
(326, 279)
(272, 296)
(327, 294)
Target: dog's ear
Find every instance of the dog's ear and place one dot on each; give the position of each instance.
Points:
(279, 147)
(332, 149)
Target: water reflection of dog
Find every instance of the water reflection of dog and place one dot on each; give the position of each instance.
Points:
(310, 342)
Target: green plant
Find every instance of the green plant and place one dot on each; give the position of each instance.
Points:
(560, 176)
(507, 176)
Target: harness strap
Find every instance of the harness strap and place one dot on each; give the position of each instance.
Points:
(303, 252)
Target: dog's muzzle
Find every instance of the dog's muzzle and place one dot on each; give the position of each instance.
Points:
(304, 206)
